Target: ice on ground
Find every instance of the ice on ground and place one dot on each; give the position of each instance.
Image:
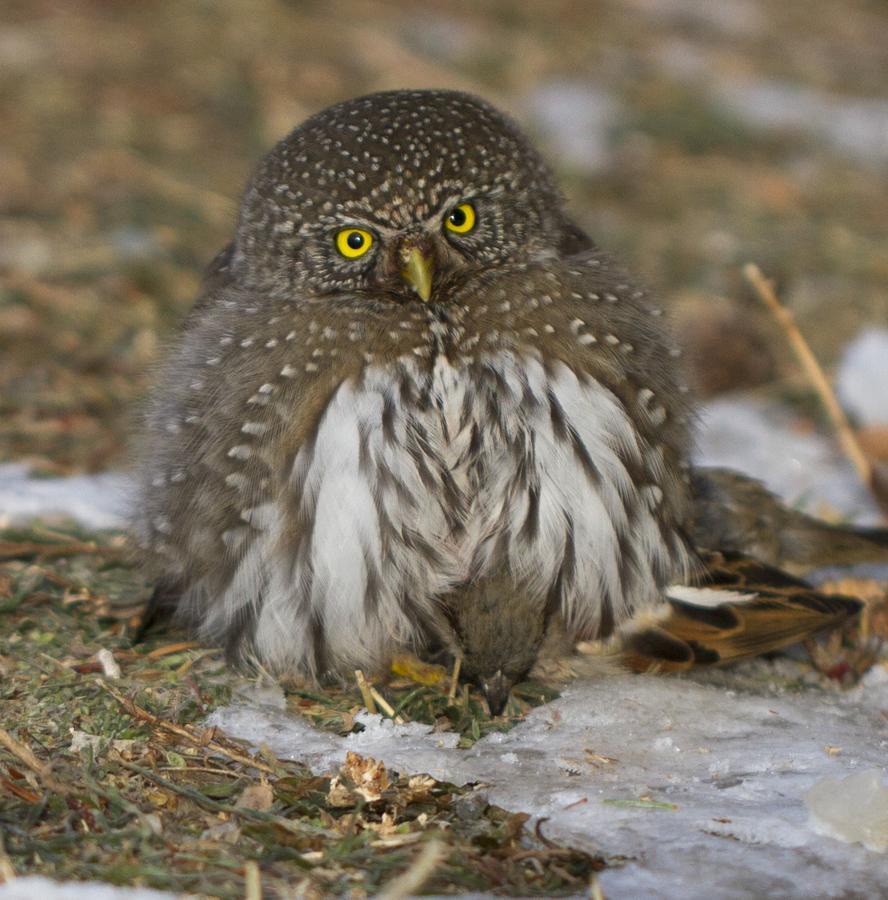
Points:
(862, 377)
(731, 766)
(33, 886)
(806, 469)
(95, 501)
(854, 808)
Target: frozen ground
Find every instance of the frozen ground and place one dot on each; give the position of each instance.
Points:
(699, 783)
(726, 764)
(96, 501)
(36, 888)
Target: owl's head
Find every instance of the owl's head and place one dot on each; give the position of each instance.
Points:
(397, 193)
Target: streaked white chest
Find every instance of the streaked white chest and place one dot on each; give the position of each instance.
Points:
(415, 484)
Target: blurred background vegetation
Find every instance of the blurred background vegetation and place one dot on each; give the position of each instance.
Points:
(691, 137)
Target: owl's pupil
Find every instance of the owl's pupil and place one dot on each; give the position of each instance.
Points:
(457, 218)
(355, 240)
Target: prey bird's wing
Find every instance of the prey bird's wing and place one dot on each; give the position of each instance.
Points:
(735, 513)
(739, 608)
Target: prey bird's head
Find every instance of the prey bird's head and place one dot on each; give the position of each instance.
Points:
(498, 631)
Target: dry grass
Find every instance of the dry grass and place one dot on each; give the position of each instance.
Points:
(106, 772)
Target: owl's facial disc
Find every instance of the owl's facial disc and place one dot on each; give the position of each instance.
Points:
(418, 256)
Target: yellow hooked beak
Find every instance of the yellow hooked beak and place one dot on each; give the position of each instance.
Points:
(418, 271)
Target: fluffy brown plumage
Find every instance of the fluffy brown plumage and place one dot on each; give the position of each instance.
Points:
(414, 408)
(737, 514)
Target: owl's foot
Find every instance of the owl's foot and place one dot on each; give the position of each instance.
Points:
(159, 610)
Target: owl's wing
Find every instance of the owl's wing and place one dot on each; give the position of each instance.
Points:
(216, 279)
(164, 599)
(240, 395)
(740, 608)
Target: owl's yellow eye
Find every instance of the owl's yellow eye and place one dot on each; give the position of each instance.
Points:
(461, 219)
(353, 242)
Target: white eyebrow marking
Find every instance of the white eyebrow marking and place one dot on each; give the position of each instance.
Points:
(382, 228)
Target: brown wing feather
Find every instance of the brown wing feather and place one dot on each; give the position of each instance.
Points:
(777, 610)
(734, 512)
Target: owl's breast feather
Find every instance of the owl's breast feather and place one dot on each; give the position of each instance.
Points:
(415, 486)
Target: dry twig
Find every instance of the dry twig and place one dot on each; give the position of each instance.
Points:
(366, 693)
(26, 755)
(28, 549)
(253, 881)
(812, 368)
(454, 680)
(169, 649)
(385, 706)
(417, 875)
(183, 732)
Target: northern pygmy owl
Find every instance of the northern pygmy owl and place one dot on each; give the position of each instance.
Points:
(415, 408)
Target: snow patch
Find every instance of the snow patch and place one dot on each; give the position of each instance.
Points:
(729, 770)
(95, 501)
(804, 467)
(29, 887)
(862, 377)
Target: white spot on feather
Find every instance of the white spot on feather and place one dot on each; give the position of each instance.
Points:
(711, 598)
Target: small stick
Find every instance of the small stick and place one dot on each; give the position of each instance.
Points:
(409, 882)
(595, 891)
(7, 871)
(366, 693)
(385, 706)
(169, 649)
(454, 680)
(26, 755)
(139, 713)
(252, 881)
(813, 370)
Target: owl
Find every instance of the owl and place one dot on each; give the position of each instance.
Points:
(415, 408)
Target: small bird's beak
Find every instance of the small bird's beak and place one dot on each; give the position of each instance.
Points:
(496, 691)
(418, 270)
